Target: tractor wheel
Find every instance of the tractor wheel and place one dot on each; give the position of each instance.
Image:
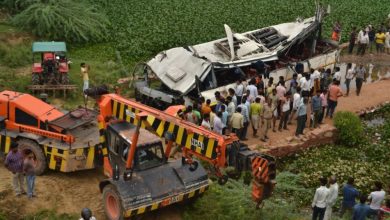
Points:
(112, 203)
(25, 144)
(35, 79)
(64, 79)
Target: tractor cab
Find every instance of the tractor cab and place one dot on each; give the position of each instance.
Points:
(149, 152)
(51, 65)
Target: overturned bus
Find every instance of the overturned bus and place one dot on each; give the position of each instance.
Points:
(182, 74)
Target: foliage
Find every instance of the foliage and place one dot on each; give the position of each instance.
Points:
(289, 186)
(49, 214)
(16, 6)
(349, 128)
(15, 56)
(143, 28)
(73, 21)
(366, 163)
(233, 201)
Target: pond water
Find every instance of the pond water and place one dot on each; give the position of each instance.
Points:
(375, 122)
(375, 73)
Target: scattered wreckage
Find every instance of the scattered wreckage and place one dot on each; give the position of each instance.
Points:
(185, 73)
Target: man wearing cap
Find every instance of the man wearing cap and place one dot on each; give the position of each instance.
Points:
(14, 163)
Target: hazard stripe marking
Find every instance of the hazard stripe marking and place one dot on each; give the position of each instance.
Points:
(156, 205)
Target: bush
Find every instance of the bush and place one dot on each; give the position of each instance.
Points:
(349, 128)
(16, 6)
(74, 21)
(233, 201)
(15, 55)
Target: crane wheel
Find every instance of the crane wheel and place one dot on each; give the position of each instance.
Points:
(193, 166)
(223, 180)
(112, 203)
(25, 145)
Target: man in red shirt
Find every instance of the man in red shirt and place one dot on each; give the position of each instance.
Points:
(334, 93)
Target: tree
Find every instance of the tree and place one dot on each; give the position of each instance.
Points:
(74, 21)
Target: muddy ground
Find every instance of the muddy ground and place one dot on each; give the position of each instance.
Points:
(69, 193)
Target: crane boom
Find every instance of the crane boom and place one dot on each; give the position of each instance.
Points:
(195, 141)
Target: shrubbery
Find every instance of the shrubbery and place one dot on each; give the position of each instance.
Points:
(233, 201)
(70, 20)
(349, 128)
(15, 56)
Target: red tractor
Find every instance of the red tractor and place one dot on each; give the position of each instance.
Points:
(52, 68)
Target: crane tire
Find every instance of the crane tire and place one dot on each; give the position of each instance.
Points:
(26, 144)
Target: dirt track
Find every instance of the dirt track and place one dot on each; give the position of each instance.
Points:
(69, 193)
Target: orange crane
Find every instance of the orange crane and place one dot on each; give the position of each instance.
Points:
(140, 129)
(133, 142)
(59, 141)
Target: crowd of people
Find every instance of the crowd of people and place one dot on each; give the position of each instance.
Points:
(254, 104)
(368, 37)
(325, 199)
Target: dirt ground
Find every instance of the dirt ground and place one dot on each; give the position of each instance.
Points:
(69, 193)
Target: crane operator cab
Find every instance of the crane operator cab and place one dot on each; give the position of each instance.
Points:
(149, 152)
(154, 182)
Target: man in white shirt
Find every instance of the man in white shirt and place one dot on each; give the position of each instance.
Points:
(239, 90)
(337, 74)
(231, 108)
(320, 199)
(305, 86)
(253, 93)
(349, 76)
(376, 198)
(333, 193)
(245, 113)
(296, 100)
(218, 125)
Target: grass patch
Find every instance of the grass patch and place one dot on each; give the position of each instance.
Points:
(233, 201)
(46, 214)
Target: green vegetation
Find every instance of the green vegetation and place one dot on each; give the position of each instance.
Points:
(73, 21)
(349, 128)
(141, 29)
(43, 214)
(232, 201)
(296, 183)
(49, 214)
(366, 162)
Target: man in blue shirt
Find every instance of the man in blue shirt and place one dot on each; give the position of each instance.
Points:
(316, 108)
(350, 193)
(360, 211)
(14, 163)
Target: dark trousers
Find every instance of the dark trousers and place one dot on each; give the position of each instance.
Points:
(361, 49)
(332, 106)
(351, 46)
(347, 83)
(284, 120)
(316, 119)
(359, 84)
(373, 214)
(244, 130)
(301, 122)
(305, 93)
(322, 114)
(239, 98)
(318, 213)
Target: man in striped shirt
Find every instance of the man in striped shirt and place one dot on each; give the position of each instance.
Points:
(14, 163)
